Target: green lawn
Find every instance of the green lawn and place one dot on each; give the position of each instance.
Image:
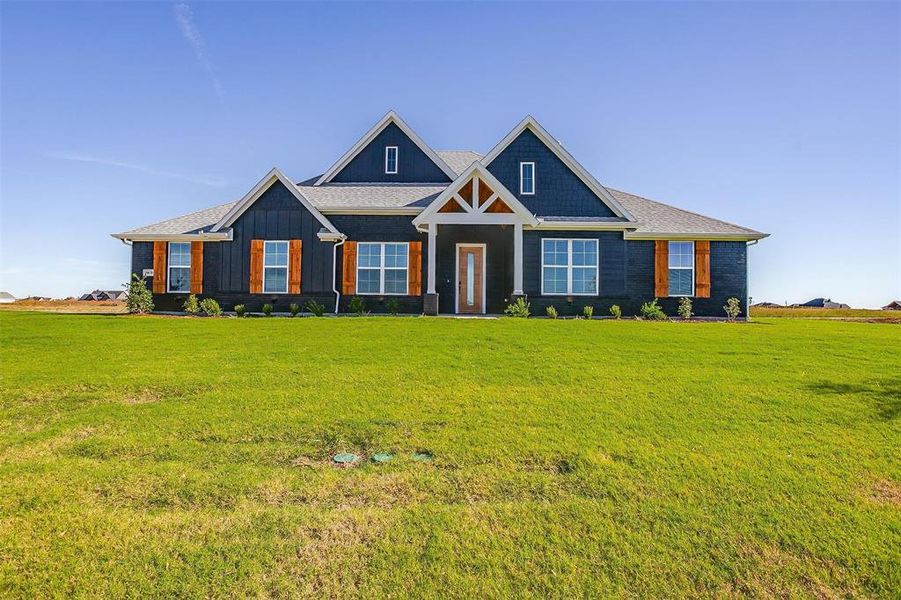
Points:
(149, 456)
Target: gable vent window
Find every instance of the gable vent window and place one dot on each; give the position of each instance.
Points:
(275, 267)
(681, 268)
(527, 178)
(179, 266)
(391, 160)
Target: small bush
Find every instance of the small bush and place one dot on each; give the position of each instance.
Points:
(357, 305)
(616, 312)
(587, 311)
(191, 305)
(139, 300)
(732, 308)
(315, 308)
(685, 308)
(393, 306)
(519, 308)
(240, 310)
(210, 307)
(551, 312)
(652, 311)
(267, 310)
(294, 308)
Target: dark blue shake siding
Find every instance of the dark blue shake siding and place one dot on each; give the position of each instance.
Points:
(558, 191)
(413, 164)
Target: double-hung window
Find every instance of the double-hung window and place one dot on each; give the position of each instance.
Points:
(382, 268)
(275, 267)
(391, 160)
(526, 178)
(569, 267)
(681, 268)
(179, 267)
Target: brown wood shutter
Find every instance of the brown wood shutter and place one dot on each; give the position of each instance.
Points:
(294, 262)
(661, 268)
(256, 266)
(414, 270)
(702, 268)
(159, 267)
(196, 267)
(349, 269)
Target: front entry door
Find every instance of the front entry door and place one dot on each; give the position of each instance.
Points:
(470, 279)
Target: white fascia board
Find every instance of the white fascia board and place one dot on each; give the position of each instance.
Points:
(587, 178)
(715, 237)
(264, 184)
(203, 236)
(390, 117)
(371, 211)
(584, 226)
(521, 214)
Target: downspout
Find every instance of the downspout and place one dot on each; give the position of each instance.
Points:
(748, 280)
(335, 270)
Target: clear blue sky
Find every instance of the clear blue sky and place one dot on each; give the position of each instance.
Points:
(781, 117)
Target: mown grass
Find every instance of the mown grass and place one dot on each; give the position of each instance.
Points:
(825, 313)
(146, 456)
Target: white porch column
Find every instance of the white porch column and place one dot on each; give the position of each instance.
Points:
(517, 260)
(433, 243)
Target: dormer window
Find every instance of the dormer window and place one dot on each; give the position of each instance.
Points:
(391, 160)
(527, 178)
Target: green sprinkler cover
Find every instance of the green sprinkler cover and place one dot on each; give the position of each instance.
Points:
(345, 458)
(422, 456)
(382, 457)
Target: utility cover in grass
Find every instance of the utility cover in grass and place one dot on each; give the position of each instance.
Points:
(422, 456)
(382, 457)
(345, 458)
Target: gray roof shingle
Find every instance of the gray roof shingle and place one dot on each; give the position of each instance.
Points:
(190, 223)
(458, 160)
(397, 195)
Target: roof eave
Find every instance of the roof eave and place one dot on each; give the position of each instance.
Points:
(201, 236)
(721, 237)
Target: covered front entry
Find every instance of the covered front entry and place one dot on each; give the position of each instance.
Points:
(481, 226)
(470, 286)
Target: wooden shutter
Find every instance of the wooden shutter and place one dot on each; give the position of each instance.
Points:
(702, 268)
(294, 262)
(160, 249)
(414, 269)
(349, 269)
(256, 266)
(196, 267)
(661, 268)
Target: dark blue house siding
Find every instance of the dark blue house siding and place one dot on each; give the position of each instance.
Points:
(558, 191)
(413, 165)
(141, 258)
(379, 228)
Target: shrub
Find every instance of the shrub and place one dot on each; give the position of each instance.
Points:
(240, 309)
(518, 308)
(616, 312)
(685, 308)
(294, 308)
(267, 310)
(191, 305)
(587, 311)
(139, 300)
(315, 308)
(652, 311)
(210, 307)
(357, 305)
(551, 312)
(393, 306)
(732, 308)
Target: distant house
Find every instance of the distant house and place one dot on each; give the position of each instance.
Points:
(6, 298)
(821, 303)
(893, 305)
(104, 295)
(767, 305)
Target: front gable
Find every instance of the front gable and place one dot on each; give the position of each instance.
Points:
(562, 186)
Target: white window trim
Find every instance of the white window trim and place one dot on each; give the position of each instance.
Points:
(692, 269)
(396, 160)
(169, 268)
(521, 192)
(569, 267)
(381, 269)
(286, 267)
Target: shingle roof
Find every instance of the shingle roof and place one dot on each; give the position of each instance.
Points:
(653, 217)
(458, 160)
